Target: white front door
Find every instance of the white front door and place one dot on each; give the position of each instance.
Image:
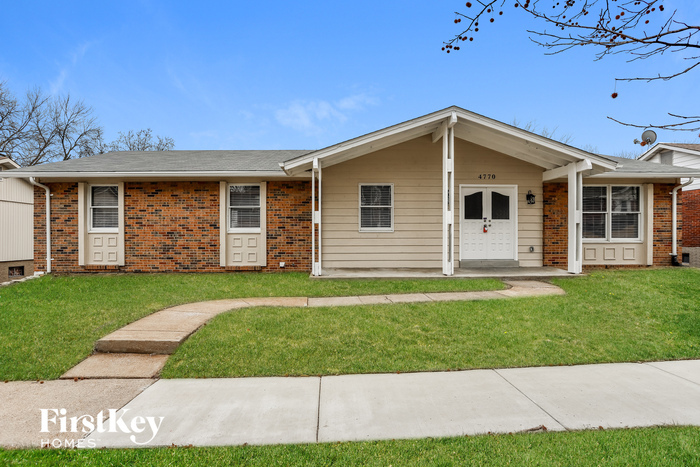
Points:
(488, 222)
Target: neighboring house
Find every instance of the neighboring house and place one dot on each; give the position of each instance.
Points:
(16, 219)
(683, 155)
(441, 191)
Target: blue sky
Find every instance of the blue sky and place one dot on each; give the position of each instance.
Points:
(305, 75)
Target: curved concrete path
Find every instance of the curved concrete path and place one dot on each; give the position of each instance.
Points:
(140, 349)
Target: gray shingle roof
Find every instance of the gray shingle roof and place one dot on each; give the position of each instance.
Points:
(692, 147)
(625, 166)
(173, 161)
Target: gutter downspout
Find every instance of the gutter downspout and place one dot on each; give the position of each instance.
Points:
(674, 232)
(48, 222)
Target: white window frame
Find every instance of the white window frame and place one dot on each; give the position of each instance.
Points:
(229, 207)
(359, 209)
(92, 229)
(609, 212)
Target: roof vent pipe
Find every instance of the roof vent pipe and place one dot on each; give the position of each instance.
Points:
(48, 222)
(674, 227)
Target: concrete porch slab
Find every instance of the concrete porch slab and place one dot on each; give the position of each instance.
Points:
(421, 405)
(117, 365)
(609, 395)
(219, 412)
(436, 273)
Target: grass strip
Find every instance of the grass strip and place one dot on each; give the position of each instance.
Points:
(618, 316)
(48, 325)
(666, 446)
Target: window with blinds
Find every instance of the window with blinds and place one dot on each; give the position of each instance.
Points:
(376, 208)
(611, 212)
(244, 207)
(104, 208)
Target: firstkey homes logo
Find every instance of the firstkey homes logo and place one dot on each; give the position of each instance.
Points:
(141, 430)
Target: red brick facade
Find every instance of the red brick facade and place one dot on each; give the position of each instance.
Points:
(663, 223)
(289, 225)
(691, 218)
(555, 228)
(174, 227)
(555, 215)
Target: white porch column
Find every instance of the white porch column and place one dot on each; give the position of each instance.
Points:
(448, 188)
(573, 222)
(316, 219)
(574, 173)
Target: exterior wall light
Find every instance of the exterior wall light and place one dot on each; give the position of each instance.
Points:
(530, 197)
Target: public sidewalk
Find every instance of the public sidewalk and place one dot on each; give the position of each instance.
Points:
(214, 412)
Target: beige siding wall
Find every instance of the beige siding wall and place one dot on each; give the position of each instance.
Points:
(686, 160)
(16, 220)
(415, 170)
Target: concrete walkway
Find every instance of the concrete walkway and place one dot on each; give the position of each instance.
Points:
(140, 349)
(218, 412)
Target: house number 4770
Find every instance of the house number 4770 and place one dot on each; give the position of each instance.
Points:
(487, 176)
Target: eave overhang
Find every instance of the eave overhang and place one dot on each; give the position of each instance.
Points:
(174, 175)
(468, 126)
(661, 147)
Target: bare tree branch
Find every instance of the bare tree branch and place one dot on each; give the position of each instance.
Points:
(640, 29)
(141, 140)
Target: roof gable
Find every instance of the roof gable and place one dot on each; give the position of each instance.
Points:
(690, 149)
(492, 134)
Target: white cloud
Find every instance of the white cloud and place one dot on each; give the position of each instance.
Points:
(356, 102)
(309, 116)
(56, 85)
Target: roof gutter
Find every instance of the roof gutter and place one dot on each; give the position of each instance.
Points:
(48, 221)
(126, 175)
(674, 232)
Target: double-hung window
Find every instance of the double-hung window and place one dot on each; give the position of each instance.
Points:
(376, 208)
(244, 208)
(104, 208)
(612, 213)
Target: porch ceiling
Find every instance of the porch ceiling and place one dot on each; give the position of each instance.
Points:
(469, 126)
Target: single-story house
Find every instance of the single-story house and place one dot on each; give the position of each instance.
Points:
(16, 224)
(683, 155)
(446, 190)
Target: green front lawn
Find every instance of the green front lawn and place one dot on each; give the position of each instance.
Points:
(650, 446)
(615, 316)
(50, 324)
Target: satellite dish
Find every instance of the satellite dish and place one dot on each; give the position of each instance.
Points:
(649, 137)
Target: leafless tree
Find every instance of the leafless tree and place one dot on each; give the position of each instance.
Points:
(142, 140)
(532, 127)
(640, 29)
(46, 129)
